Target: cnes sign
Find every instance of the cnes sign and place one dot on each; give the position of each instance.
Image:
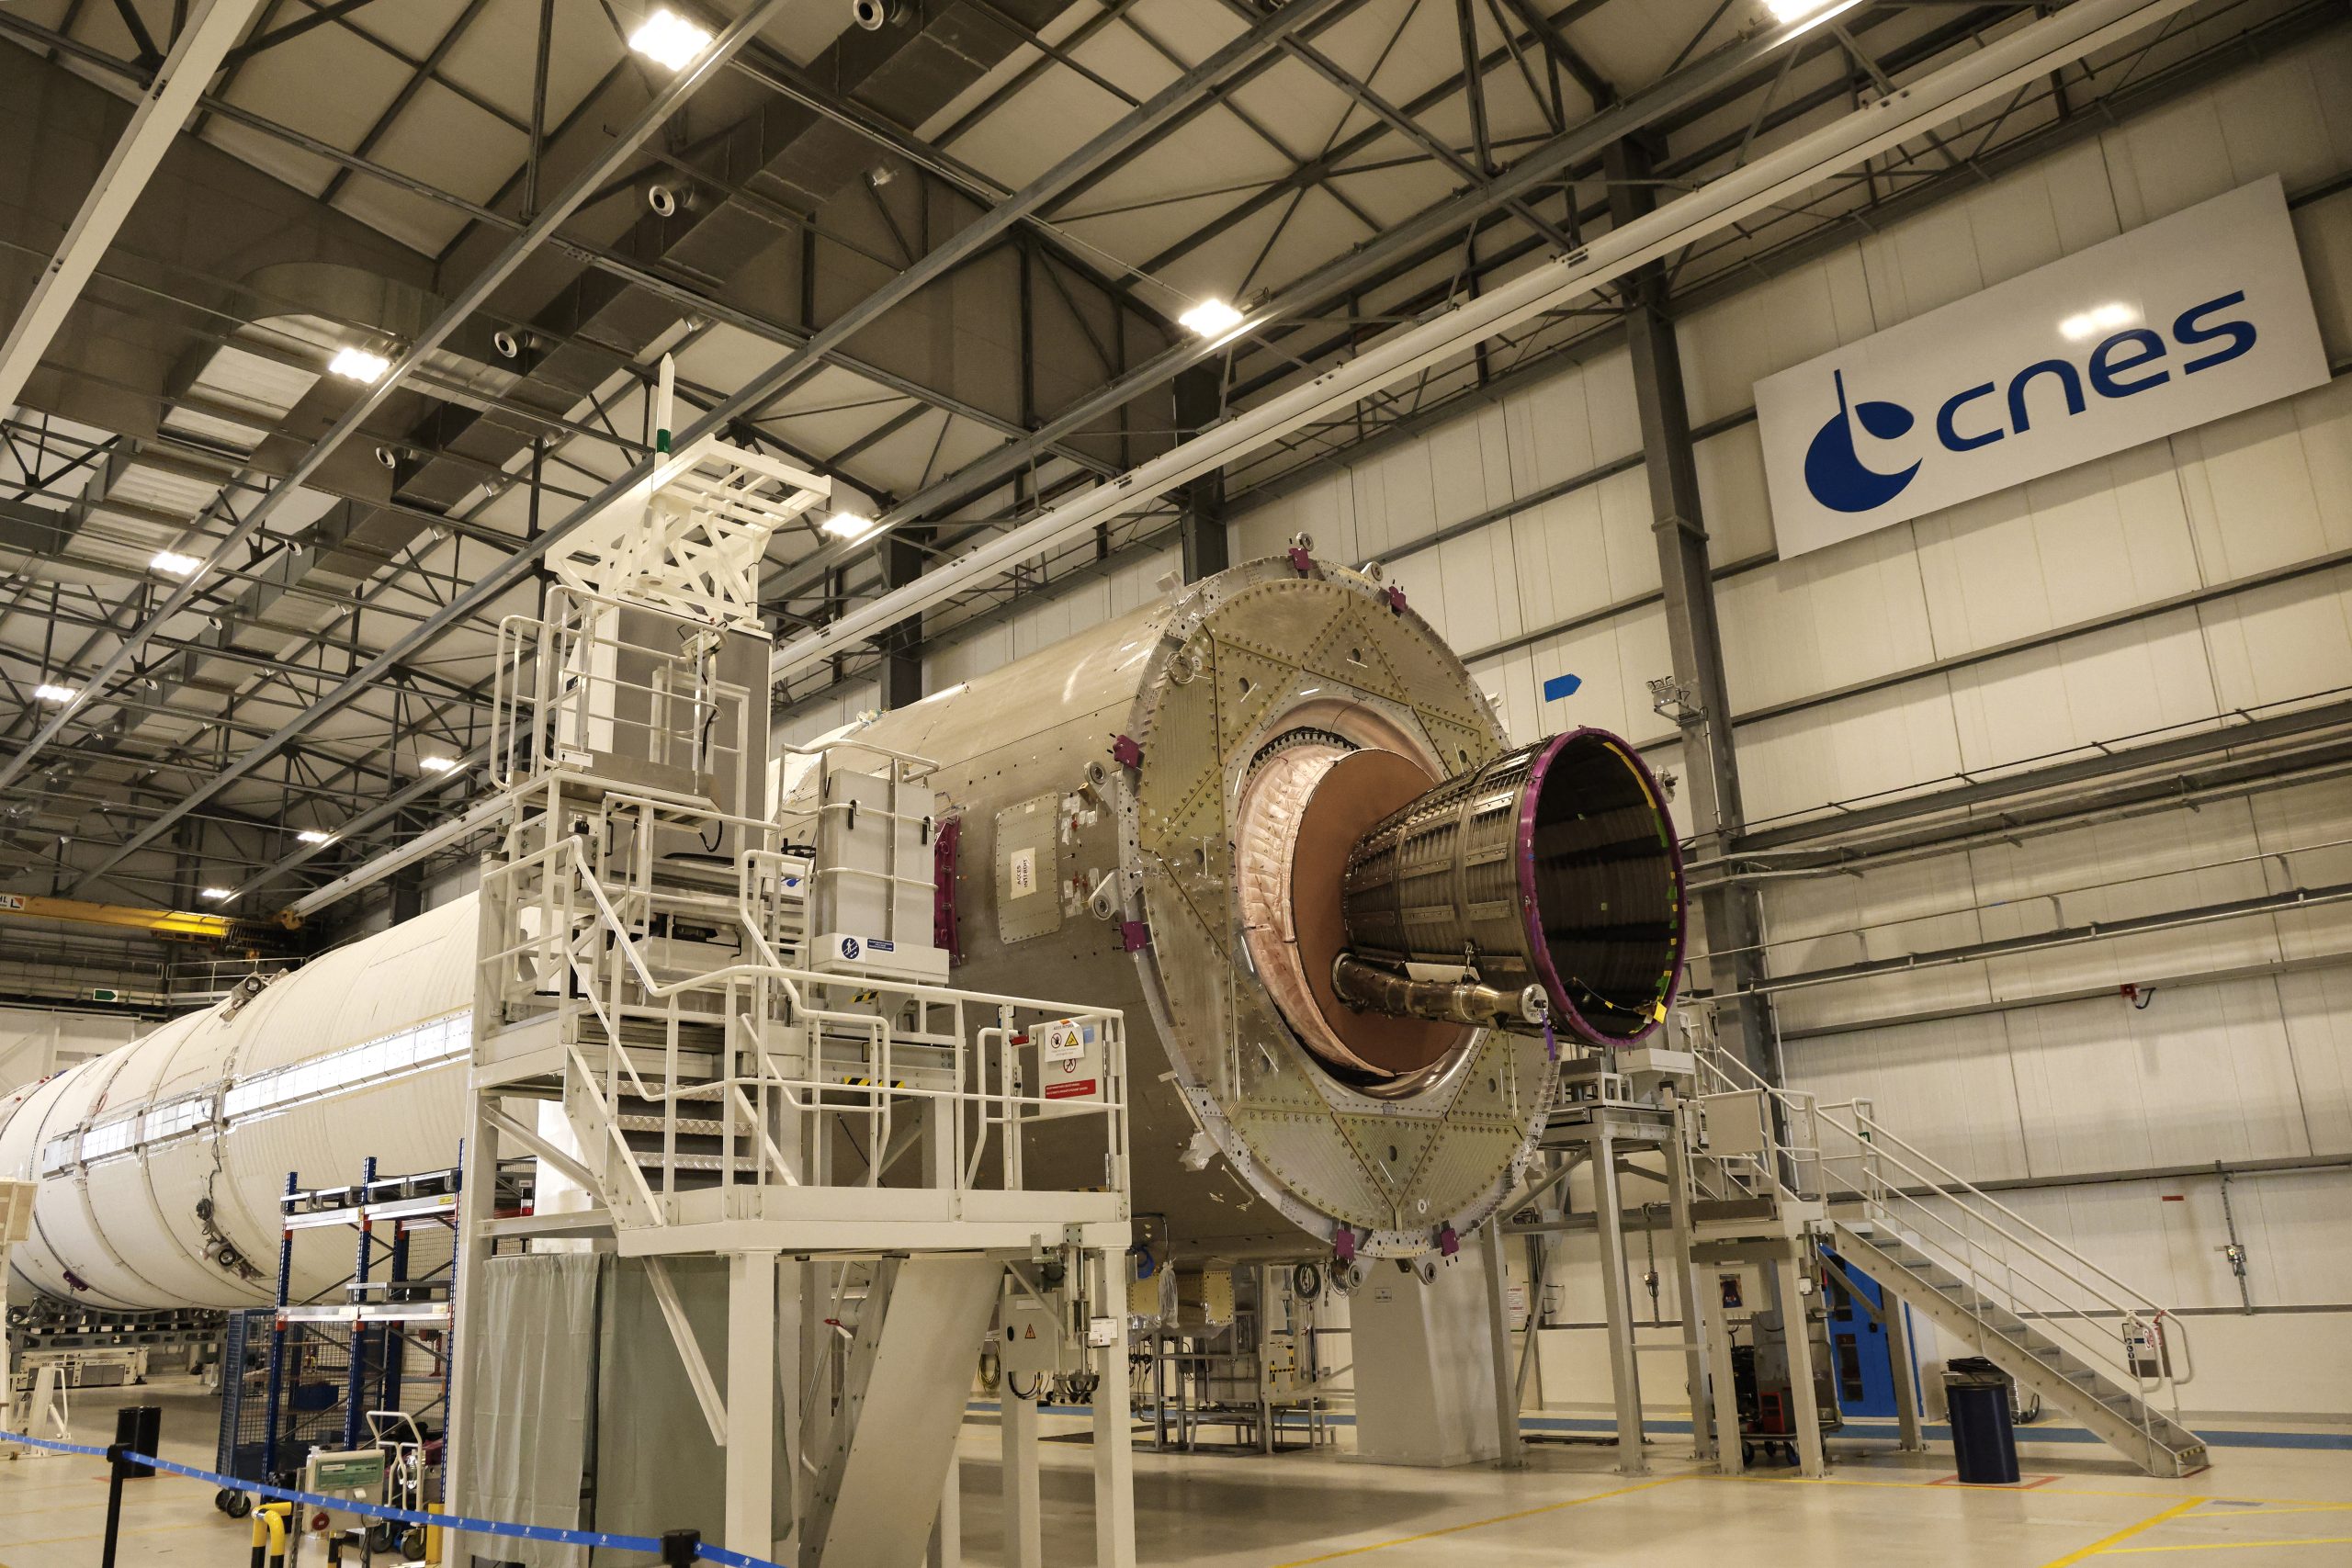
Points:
(2186, 320)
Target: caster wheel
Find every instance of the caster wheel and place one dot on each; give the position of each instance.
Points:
(236, 1505)
(382, 1538)
(413, 1542)
(1747, 1453)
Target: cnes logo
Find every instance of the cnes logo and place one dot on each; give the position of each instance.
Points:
(2124, 365)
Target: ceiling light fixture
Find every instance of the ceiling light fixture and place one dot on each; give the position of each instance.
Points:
(848, 525)
(437, 764)
(669, 38)
(46, 693)
(358, 364)
(1211, 318)
(216, 894)
(312, 836)
(174, 564)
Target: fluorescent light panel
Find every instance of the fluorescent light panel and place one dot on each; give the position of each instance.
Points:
(50, 694)
(358, 364)
(1211, 318)
(312, 836)
(174, 564)
(437, 764)
(670, 38)
(847, 526)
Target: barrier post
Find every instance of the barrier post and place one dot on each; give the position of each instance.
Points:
(118, 1467)
(680, 1548)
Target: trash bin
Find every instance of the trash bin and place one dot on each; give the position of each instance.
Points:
(1976, 1396)
(139, 1428)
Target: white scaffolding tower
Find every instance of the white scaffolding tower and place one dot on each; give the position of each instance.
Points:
(680, 1034)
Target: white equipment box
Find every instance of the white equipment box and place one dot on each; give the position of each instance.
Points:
(870, 905)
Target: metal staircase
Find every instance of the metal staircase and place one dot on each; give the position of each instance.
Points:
(1987, 1277)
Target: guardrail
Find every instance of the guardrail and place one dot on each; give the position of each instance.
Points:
(591, 898)
(2004, 1259)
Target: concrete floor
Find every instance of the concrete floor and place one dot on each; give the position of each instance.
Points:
(2289, 1506)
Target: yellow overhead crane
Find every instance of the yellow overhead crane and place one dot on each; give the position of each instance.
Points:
(177, 925)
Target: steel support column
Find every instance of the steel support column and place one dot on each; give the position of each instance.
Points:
(1017, 1433)
(1804, 1401)
(1625, 1363)
(900, 676)
(751, 1333)
(1700, 706)
(1512, 1453)
(1200, 528)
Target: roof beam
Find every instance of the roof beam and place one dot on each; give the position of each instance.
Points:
(476, 293)
(196, 55)
(1994, 69)
(1139, 126)
(1580, 142)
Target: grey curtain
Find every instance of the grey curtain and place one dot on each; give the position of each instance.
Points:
(527, 1419)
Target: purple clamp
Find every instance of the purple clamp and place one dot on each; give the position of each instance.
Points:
(1133, 936)
(1395, 600)
(1127, 751)
(1448, 1243)
(1551, 1041)
(1301, 561)
(1343, 1244)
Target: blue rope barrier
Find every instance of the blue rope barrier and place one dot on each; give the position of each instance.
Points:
(551, 1534)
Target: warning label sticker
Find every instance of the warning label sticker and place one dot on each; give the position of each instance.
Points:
(1069, 1057)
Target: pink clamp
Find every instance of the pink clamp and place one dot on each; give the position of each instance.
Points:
(1133, 936)
(1448, 1243)
(1301, 561)
(1127, 751)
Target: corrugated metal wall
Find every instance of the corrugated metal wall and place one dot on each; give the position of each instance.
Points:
(2160, 589)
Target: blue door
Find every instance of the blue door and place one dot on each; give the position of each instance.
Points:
(1862, 1363)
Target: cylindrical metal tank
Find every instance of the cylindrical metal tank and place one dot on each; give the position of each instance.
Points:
(1156, 814)
(1555, 864)
(160, 1162)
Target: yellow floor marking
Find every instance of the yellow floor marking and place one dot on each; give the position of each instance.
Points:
(1945, 1486)
(2106, 1542)
(2227, 1545)
(1479, 1524)
(2283, 1503)
(2298, 1508)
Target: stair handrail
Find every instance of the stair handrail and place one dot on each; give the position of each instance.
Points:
(1876, 1144)
(1797, 1108)
(1877, 1137)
